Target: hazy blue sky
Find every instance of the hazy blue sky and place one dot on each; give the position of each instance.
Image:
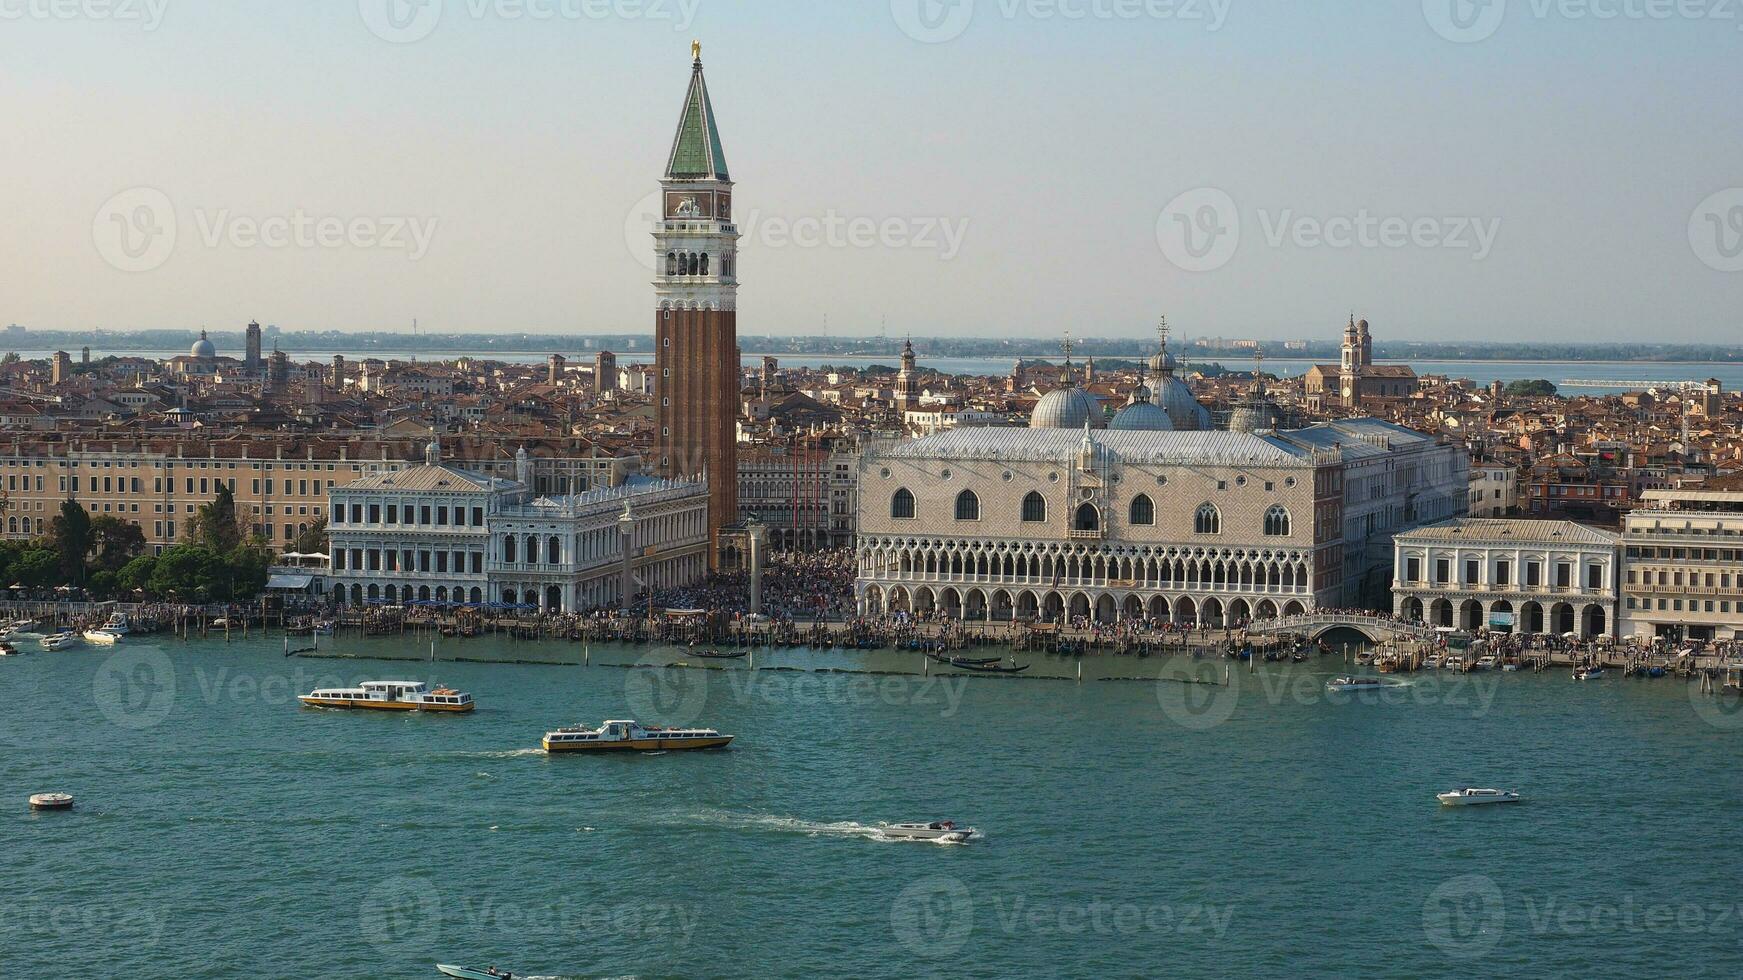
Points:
(1558, 168)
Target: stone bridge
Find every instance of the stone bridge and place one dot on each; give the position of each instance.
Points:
(1314, 625)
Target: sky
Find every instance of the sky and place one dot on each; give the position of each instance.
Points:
(1449, 169)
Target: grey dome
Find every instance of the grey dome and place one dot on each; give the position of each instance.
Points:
(203, 347)
(1175, 398)
(1067, 408)
(1142, 415)
(1253, 415)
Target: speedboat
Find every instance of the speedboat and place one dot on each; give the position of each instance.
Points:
(390, 696)
(1477, 797)
(1487, 663)
(467, 973)
(942, 830)
(119, 624)
(1432, 663)
(630, 736)
(104, 637)
(61, 641)
(8, 650)
(1588, 673)
(1356, 684)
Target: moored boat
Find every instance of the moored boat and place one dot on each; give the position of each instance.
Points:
(61, 641)
(719, 655)
(102, 637)
(631, 736)
(1591, 673)
(941, 830)
(390, 696)
(1477, 797)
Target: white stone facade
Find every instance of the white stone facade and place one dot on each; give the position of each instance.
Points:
(1683, 554)
(1186, 527)
(1523, 576)
(440, 534)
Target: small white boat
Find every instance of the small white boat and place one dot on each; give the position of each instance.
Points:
(940, 830)
(1356, 684)
(8, 650)
(103, 638)
(1510, 667)
(1432, 663)
(1588, 673)
(119, 624)
(1477, 797)
(467, 973)
(1487, 663)
(61, 641)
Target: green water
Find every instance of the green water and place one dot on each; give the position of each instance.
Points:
(1136, 827)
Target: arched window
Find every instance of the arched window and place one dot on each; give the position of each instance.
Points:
(553, 550)
(902, 505)
(671, 263)
(1034, 508)
(704, 270)
(1208, 520)
(508, 546)
(1087, 519)
(1143, 510)
(967, 506)
(1277, 522)
(532, 549)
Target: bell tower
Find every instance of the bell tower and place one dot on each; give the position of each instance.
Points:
(696, 315)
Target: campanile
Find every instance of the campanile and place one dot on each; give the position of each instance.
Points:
(696, 319)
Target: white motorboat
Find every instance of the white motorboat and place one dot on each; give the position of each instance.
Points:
(467, 973)
(103, 637)
(1510, 667)
(8, 650)
(1432, 663)
(61, 641)
(1588, 673)
(1487, 663)
(941, 830)
(119, 624)
(1356, 684)
(1477, 797)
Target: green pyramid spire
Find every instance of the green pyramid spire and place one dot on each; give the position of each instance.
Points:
(696, 151)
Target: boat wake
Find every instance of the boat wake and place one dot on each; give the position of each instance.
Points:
(809, 828)
(500, 754)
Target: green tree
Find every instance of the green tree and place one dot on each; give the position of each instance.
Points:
(70, 536)
(38, 566)
(312, 541)
(248, 567)
(1539, 388)
(189, 571)
(115, 542)
(215, 525)
(136, 574)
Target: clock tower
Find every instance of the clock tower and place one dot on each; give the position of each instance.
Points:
(696, 318)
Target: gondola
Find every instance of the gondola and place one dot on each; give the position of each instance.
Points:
(962, 661)
(992, 668)
(718, 655)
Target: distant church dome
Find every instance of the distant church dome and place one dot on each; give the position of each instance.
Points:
(203, 347)
(1067, 408)
(1176, 399)
(1142, 415)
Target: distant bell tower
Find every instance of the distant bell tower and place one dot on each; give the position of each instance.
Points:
(696, 320)
(1350, 370)
(907, 385)
(251, 348)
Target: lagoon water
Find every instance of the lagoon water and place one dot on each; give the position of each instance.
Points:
(1137, 827)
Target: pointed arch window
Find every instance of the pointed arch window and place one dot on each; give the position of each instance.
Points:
(967, 506)
(1208, 520)
(902, 505)
(1034, 508)
(1277, 522)
(1087, 519)
(1143, 511)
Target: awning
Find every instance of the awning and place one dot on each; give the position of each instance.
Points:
(290, 583)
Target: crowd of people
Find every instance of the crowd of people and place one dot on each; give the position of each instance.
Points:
(797, 587)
